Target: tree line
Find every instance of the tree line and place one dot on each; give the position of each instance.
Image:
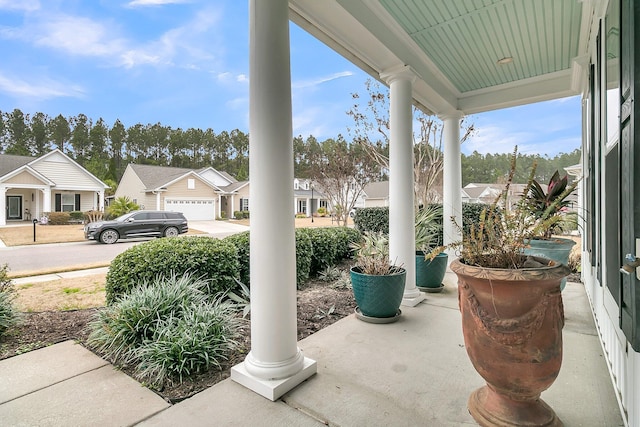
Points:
(105, 150)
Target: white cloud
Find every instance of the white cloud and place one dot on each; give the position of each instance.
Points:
(143, 3)
(42, 88)
(24, 5)
(78, 36)
(242, 78)
(320, 80)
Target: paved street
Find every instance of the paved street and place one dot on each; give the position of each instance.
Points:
(36, 258)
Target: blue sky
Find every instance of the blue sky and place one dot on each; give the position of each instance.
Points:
(185, 64)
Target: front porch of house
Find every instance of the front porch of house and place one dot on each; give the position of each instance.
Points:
(414, 372)
(409, 373)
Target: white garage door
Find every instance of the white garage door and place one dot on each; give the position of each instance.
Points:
(194, 210)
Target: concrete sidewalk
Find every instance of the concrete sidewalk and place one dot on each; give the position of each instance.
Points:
(412, 372)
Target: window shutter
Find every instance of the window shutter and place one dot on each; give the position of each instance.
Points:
(58, 206)
(629, 168)
(77, 207)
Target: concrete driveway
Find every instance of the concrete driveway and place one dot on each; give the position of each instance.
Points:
(217, 228)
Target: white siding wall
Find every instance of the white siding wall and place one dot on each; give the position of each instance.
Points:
(65, 173)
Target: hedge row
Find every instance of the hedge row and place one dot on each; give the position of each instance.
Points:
(377, 219)
(220, 261)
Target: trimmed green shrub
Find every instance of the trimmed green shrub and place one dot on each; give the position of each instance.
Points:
(304, 254)
(212, 259)
(245, 214)
(241, 242)
(372, 219)
(76, 216)
(170, 328)
(346, 236)
(59, 218)
(237, 214)
(322, 211)
(9, 315)
(325, 248)
(471, 215)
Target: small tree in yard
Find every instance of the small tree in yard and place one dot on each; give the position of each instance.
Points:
(373, 120)
(342, 170)
(121, 206)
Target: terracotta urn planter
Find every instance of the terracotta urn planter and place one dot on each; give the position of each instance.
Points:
(512, 323)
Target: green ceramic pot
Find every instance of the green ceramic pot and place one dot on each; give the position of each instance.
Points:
(555, 249)
(429, 274)
(378, 296)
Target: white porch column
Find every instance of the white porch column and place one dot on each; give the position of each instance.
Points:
(452, 180)
(46, 202)
(219, 205)
(275, 364)
(402, 239)
(100, 200)
(158, 208)
(3, 205)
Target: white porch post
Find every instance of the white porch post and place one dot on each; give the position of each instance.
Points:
(3, 205)
(452, 180)
(158, 201)
(100, 200)
(275, 364)
(46, 202)
(219, 205)
(401, 195)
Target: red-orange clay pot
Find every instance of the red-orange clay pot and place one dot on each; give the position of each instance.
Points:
(512, 324)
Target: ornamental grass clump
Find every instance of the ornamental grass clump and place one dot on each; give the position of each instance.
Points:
(9, 315)
(167, 330)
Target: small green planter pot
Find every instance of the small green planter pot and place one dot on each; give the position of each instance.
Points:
(554, 249)
(429, 274)
(378, 296)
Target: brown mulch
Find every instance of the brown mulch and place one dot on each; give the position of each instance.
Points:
(319, 305)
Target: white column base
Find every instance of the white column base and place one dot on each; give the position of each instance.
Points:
(273, 389)
(413, 297)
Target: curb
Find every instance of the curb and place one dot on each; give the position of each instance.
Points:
(58, 276)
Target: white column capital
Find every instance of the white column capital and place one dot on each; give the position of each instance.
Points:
(402, 72)
(451, 115)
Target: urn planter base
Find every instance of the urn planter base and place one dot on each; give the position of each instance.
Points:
(490, 409)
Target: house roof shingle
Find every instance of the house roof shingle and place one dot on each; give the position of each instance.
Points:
(9, 162)
(156, 176)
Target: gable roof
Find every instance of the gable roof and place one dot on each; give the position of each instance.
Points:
(9, 163)
(153, 176)
(235, 186)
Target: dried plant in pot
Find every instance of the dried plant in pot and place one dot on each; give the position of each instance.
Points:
(512, 316)
(378, 285)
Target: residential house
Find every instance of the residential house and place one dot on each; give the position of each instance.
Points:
(33, 186)
(308, 197)
(203, 194)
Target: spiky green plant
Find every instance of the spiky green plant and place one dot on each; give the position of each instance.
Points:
(121, 206)
(9, 315)
(168, 330)
(372, 254)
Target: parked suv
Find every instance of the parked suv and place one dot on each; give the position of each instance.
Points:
(137, 224)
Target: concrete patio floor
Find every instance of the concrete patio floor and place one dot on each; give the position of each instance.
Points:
(414, 372)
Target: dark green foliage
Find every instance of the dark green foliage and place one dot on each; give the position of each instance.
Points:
(372, 219)
(325, 249)
(211, 259)
(76, 216)
(304, 254)
(241, 242)
(471, 215)
(345, 237)
(316, 248)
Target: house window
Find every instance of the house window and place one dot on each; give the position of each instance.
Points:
(191, 184)
(302, 206)
(323, 203)
(67, 202)
(295, 185)
(244, 204)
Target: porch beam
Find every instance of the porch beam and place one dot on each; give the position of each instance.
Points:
(452, 180)
(401, 194)
(275, 364)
